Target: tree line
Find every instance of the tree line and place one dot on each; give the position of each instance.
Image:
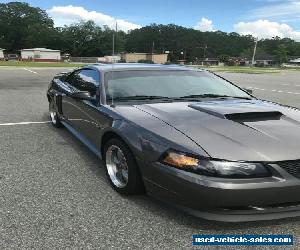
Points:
(24, 26)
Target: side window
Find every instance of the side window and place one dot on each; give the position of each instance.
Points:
(71, 79)
(85, 80)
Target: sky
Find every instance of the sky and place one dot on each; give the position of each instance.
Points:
(260, 18)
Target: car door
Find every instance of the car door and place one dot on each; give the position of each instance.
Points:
(85, 115)
(70, 108)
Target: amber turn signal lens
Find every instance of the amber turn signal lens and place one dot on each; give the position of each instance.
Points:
(180, 160)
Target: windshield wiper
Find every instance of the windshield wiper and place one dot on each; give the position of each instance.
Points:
(214, 96)
(138, 97)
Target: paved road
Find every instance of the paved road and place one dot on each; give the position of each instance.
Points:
(278, 87)
(53, 193)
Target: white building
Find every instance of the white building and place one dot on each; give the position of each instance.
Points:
(295, 61)
(109, 59)
(40, 55)
(1, 54)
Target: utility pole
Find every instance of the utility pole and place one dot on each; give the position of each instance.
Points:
(204, 50)
(254, 51)
(113, 39)
(152, 50)
(113, 44)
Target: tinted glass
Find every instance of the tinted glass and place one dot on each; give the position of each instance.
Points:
(85, 80)
(71, 78)
(168, 83)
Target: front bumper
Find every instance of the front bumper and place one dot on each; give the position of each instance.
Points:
(225, 199)
(250, 213)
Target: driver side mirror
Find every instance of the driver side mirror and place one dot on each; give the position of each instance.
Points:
(82, 95)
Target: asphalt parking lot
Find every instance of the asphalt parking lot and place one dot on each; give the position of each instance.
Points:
(281, 87)
(53, 192)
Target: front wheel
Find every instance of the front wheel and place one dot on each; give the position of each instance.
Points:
(121, 168)
(55, 121)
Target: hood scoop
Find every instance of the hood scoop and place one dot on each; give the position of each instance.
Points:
(239, 110)
(254, 116)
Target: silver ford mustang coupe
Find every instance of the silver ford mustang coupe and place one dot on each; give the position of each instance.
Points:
(185, 136)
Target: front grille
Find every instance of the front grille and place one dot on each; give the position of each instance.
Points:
(292, 167)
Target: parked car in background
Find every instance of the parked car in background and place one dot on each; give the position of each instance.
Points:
(12, 57)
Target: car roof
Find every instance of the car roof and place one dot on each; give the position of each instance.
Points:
(139, 66)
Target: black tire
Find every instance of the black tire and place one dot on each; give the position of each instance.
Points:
(134, 183)
(53, 115)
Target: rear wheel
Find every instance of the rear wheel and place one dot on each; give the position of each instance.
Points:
(55, 121)
(121, 168)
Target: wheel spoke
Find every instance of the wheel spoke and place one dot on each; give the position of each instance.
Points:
(119, 174)
(125, 175)
(115, 159)
(120, 155)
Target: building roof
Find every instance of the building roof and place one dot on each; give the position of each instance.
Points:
(143, 53)
(40, 49)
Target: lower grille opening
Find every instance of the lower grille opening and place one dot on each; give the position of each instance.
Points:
(292, 167)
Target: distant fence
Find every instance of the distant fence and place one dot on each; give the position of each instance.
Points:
(84, 59)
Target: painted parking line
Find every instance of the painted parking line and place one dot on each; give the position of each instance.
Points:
(275, 90)
(288, 84)
(22, 123)
(31, 71)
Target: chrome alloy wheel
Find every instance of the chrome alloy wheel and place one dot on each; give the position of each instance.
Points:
(117, 167)
(53, 114)
(53, 117)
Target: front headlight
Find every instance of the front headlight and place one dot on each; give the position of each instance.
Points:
(224, 169)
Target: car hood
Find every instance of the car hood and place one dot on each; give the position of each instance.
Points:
(248, 130)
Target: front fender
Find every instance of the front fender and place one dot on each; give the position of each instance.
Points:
(142, 144)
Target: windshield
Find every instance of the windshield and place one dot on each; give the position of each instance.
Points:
(155, 84)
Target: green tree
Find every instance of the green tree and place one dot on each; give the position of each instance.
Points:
(281, 54)
(195, 44)
(260, 53)
(24, 26)
(223, 58)
(88, 39)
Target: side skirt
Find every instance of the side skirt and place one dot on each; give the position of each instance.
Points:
(83, 139)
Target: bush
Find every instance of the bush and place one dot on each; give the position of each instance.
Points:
(145, 61)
